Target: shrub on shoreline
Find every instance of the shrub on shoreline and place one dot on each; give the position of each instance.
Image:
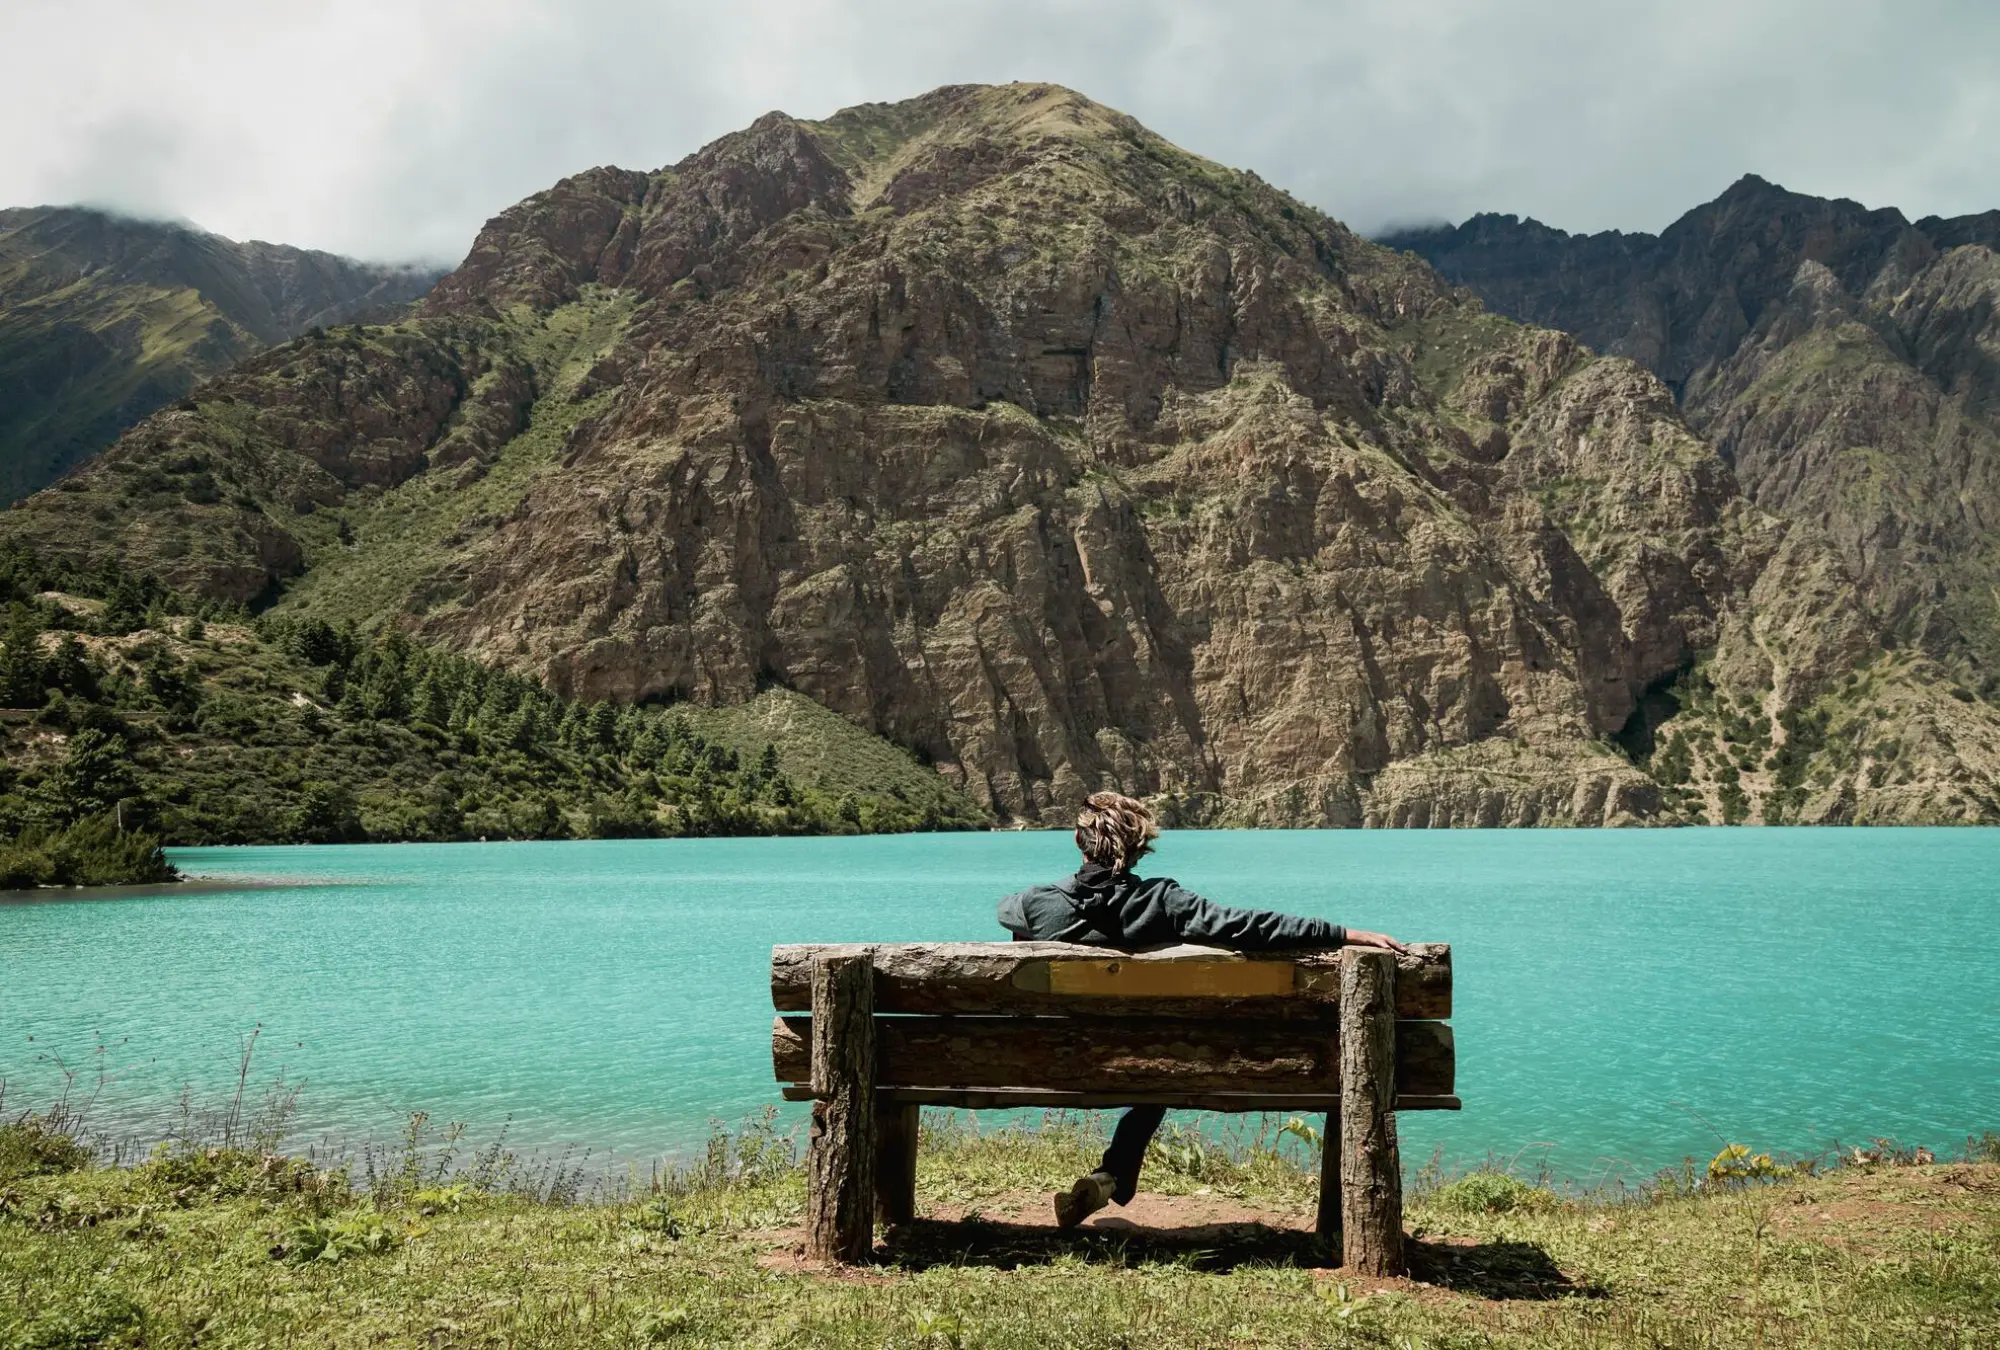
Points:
(92, 852)
(35, 1146)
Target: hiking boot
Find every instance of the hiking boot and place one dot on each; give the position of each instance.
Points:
(1084, 1199)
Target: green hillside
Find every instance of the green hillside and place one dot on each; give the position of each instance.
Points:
(105, 319)
(825, 749)
(220, 729)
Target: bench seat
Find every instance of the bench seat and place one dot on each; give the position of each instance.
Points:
(871, 1033)
(1013, 1099)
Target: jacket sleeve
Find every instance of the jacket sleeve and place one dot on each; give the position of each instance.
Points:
(1196, 919)
(1014, 918)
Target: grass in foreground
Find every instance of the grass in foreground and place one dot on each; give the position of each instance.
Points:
(230, 1247)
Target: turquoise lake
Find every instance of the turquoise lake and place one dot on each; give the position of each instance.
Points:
(1623, 999)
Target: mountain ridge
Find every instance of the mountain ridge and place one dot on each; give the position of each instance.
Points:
(1845, 361)
(1023, 438)
(106, 318)
(1854, 241)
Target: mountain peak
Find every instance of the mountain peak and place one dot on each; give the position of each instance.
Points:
(997, 151)
(1750, 185)
(1010, 432)
(1020, 111)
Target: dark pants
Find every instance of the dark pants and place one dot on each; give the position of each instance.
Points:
(1128, 1148)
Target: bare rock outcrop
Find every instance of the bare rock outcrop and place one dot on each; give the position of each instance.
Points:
(1030, 442)
(1843, 361)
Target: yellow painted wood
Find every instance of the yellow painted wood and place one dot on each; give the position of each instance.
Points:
(1170, 979)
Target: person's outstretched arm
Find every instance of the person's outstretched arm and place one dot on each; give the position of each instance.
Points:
(1200, 920)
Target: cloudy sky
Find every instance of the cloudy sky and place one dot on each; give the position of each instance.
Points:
(392, 128)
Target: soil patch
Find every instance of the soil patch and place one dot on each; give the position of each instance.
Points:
(1206, 1232)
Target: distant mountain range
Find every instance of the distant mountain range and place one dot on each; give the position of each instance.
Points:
(1067, 459)
(105, 319)
(1844, 361)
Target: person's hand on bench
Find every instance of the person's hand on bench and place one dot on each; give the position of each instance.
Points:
(1361, 937)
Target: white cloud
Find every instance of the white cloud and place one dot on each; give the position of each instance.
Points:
(392, 128)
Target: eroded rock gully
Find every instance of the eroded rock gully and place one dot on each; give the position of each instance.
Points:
(1068, 460)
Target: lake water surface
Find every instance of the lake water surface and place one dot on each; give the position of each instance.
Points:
(1622, 999)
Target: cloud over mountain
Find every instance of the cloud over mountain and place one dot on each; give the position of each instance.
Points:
(390, 130)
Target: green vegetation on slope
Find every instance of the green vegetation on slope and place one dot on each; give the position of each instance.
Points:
(104, 320)
(1876, 747)
(383, 551)
(825, 749)
(345, 475)
(224, 1246)
(218, 729)
(83, 363)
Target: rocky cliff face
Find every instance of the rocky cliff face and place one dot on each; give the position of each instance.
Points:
(1023, 438)
(1844, 361)
(105, 319)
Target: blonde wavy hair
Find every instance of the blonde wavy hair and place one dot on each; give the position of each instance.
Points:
(1114, 830)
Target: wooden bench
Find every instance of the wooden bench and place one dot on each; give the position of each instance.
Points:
(1358, 1034)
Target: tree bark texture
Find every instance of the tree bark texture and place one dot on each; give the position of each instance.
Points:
(840, 1158)
(1371, 1175)
(1038, 978)
(1124, 1054)
(896, 1128)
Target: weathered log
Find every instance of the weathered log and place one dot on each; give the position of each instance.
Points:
(896, 1128)
(1120, 1055)
(1003, 1098)
(840, 1158)
(1060, 978)
(1326, 1223)
(1371, 1177)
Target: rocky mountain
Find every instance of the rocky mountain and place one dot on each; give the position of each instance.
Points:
(1844, 361)
(105, 319)
(1066, 459)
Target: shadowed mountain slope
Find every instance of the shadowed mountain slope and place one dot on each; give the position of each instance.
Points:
(104, 319)
(1024, 439)
(1844, 361)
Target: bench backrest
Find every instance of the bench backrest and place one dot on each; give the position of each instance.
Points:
(1007, 1023)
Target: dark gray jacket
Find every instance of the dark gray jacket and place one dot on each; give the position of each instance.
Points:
(1116, 909)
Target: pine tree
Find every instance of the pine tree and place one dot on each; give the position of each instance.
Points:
(70, 670)
(124, 608)
(603, 726)
(524, 728)
(23, 674)
(91, 779)
(430, 703)
(386, 696)
(326, 814)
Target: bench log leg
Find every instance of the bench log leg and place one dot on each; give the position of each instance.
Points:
(896, 1127)
(840, 1159)
(1327, 1225)
(1371, 1173)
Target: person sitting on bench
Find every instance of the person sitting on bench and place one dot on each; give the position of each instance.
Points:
(1104, 905)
